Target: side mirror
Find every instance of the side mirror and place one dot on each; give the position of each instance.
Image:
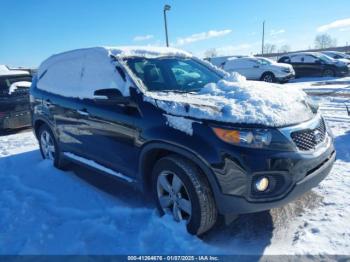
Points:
(110, 96)
(318, 61)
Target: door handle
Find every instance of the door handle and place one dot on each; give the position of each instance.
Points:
(83, 112)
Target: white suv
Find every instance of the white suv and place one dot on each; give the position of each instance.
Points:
(260, 68)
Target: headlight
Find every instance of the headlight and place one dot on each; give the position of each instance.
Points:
(313, 104)
(266, 138)
(257, 138)
(286, 70)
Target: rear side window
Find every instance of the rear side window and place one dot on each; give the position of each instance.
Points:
(240, 63)
(63, 77)
(80, 75)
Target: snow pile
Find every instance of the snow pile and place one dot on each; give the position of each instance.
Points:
(235, 100)
(16, 85)
(180, 123)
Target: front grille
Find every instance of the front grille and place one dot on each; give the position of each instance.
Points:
(308, 139)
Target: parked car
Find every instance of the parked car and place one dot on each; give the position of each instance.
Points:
(14, 98)
(338, 56)
(166, 122)
(315, 64)
(260, 68)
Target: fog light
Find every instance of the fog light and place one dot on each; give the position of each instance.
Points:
(262, 184)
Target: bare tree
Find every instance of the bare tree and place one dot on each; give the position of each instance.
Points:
(325, 41)
(211, 53)
(284, 49)
(269, 48)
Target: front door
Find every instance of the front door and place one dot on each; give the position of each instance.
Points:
(108, 135)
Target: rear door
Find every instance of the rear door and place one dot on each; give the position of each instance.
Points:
(59, 87)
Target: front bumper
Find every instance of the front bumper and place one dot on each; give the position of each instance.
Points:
(229, 204)
(291, 173)
(286, 78)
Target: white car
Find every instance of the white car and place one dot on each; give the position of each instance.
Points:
(338, 56)
(260, 68)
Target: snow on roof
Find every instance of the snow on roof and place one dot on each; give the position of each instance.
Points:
(235, 100)
(146, 51)
(119, 51)
(4, 68)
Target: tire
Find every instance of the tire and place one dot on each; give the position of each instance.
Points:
(195, 190)
(268, 77)
(328, 73)
(50, 150)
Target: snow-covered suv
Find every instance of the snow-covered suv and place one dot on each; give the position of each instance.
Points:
(260, 68)
(201, 141)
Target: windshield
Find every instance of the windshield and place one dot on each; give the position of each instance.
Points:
(172, 73)
(326, 58)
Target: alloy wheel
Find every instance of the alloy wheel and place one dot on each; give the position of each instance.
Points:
(173, 196)
(268, 78)
(47, 145)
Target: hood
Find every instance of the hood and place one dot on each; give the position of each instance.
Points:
(281, 66)
(344, 60)
(236, 100)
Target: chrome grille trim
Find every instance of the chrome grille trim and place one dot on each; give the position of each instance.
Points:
(306, 127)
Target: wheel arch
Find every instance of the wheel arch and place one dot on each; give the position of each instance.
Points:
(39, 122)
(152, 152)
(267, 72)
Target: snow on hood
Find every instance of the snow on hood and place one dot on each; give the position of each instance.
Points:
(236, 100)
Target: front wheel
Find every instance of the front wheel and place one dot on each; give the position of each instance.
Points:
(328, 73)
(49, 148)
(268, 77)
(181, 191)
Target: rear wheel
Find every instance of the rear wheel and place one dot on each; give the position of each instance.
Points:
(268, 77)
(181, 191)
(328, 73)
(49, 148)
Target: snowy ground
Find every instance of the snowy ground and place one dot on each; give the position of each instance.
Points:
(47, 211)
(323, 86)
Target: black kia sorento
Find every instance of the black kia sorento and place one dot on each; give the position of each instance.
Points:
(203, 143)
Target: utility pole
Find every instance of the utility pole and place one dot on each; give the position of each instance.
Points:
(166, 8)
(263, 39)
